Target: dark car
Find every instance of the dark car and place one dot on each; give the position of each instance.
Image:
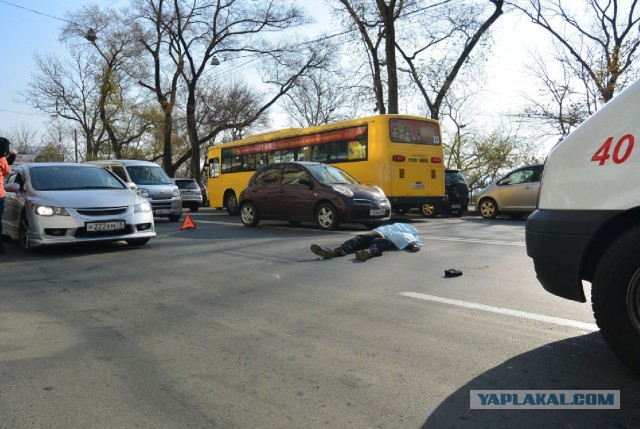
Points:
(205, 194)
(311, 192)
(457, 191)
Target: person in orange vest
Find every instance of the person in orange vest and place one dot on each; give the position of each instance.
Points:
(6, 159)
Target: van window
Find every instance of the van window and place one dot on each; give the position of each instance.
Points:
(120, 172)
(148, 175)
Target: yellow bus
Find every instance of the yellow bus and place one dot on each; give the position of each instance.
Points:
(401, 154)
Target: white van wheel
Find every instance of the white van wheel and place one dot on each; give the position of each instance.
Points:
(615, 298)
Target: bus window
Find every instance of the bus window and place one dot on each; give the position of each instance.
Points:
(412, 131)
(284, 155)
(339, 152)
(319, 153)
(303, 153)
(357, 150)
(253, 161)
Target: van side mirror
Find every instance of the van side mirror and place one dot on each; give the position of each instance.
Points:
(132, 186)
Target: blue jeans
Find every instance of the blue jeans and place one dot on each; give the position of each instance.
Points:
(1, 211)
(371, 240)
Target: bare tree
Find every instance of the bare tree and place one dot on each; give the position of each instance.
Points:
(317, 99)
(376, 26)
(446, 33)
(23, 138)
(600, 40)
(557, 105)
(68, 90)
(162, 77)
(454, 32)
(229, 28)
(117, 47)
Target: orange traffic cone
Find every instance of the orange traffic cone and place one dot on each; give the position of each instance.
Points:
(188, 223)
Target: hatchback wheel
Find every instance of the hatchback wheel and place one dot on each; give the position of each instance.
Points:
(23, 234)
(249, 214)
(488, 208)
(327, 217)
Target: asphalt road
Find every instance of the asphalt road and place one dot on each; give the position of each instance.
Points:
(224, 326)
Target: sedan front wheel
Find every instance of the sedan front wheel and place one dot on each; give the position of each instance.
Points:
(23, 234)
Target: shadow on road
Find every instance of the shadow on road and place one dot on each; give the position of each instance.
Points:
(579, 363)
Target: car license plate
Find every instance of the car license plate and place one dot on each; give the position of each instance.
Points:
(418, 186)
(104, 226)
(456, 206)
(162, 211)
(377, 212)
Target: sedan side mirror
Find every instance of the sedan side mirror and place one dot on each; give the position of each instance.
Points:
(12, 187)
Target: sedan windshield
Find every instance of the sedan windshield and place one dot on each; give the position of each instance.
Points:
(72, 177)
(329, 175)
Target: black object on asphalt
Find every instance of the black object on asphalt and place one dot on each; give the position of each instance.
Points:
(452, 273)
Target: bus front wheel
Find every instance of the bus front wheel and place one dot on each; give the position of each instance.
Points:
(231, 203)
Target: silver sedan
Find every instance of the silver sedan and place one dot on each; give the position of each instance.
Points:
(58, 203)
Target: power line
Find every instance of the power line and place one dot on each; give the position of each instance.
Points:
(37, 12)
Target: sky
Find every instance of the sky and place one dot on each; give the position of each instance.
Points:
(30, 26)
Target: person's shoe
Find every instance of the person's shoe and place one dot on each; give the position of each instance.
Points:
(363, 255)
(326, 253)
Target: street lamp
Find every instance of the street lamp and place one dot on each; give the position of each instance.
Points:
(91, 35)
(215, 61)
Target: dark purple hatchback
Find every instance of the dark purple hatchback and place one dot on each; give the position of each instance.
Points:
(311, 192)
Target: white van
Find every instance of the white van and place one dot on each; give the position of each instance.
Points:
(587, 224)
(151, 182)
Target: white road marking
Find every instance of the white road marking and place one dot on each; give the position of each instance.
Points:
(506, 311)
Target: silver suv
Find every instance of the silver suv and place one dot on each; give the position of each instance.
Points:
(190, 193)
